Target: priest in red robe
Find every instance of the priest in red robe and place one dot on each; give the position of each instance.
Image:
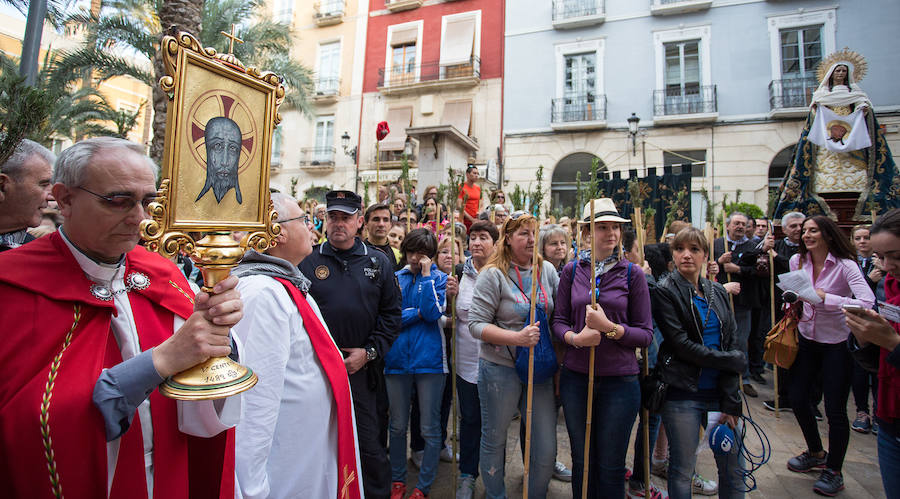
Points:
(90, 326)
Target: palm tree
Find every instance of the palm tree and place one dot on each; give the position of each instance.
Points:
(135, 28)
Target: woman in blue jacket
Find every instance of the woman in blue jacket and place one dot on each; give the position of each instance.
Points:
(418, 358)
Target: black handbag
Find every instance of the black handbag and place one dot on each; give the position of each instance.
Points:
(653, 391)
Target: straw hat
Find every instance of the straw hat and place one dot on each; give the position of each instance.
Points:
(604, 211)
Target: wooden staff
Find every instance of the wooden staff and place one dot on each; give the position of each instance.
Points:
(772, 314)
(377, 168)
(585, 465)
(454, 400)
(727, 275)
(708, 233)
(535, 275)
(645, 414)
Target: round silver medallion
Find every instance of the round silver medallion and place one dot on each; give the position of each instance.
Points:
(101, 292)
(137, 280)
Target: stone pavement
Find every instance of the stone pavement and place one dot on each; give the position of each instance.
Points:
(861, 474)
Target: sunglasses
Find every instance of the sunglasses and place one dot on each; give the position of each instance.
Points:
(122, 202)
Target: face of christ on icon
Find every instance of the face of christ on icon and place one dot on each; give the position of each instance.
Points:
(223, 153)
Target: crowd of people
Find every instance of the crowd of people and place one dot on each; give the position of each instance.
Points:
(361, 320)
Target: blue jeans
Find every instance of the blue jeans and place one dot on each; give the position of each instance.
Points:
(429, 388)
(502, 395)
(682, 419)
(889, 462)
(617, 400)
(469, 426)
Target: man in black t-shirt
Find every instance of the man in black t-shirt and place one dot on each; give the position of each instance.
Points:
(378, 223)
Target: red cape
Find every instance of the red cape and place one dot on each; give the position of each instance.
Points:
(52, 436)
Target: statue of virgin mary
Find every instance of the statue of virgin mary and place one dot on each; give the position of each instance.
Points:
(869, 173)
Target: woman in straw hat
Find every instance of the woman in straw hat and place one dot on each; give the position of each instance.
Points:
(621, 322)
(500, 309)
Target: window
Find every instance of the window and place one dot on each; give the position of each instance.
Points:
(277, 141)
(460, 40)
(797, 42)
(323, 152)
(682, 161)
(402, 60)
(284, 11)
(403, 63)
(801, 51)
(329, 68)
(682, 72)
(579, 88)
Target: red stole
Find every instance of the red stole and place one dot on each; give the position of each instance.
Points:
(888, 375)
(333, 365)
(41, 286)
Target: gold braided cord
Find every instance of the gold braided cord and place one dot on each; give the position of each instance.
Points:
(55, 485)
(176, 286)
(854, 59)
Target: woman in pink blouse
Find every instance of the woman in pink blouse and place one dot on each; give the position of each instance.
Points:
(829, 259)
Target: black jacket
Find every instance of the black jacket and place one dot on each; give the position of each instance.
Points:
(682, 353)
(743, 255)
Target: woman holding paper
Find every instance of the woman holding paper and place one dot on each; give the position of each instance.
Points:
(830, 261)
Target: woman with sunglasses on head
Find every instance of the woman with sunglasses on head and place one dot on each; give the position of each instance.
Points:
(830, 261)
(700, 361)
(499, 316)
(620, 323)
(881, 338)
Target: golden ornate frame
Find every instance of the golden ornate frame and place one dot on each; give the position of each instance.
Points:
(204, 85)
(168, 230)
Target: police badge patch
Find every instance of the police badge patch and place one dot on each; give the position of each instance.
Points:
(322, 272)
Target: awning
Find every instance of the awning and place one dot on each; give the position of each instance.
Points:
(458, 114)
(459, 37)
(404, 36)
(398, 120)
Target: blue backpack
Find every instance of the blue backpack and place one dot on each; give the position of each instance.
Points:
(545, 363)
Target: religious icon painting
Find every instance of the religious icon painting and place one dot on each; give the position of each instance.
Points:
(219, 127)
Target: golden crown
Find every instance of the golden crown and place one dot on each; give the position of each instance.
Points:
(854, 59)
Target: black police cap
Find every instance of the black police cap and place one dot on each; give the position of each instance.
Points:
(345, 201)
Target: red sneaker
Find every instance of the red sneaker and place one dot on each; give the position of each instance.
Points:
(417, 494)
(398, 490)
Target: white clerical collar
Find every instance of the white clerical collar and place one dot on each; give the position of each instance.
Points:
(109, 274)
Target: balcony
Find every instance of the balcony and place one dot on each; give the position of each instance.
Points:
(319, 159)
(690, 104)
(428, 76)
(578, 113)
(401, 5)
(672, 7)
(568, 14)
(327, 90)
(790, 98)
(329, 12)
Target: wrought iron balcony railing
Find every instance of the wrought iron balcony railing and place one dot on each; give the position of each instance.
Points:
(569, 9)
(329, 8)
(317, 156)
(328, 86)
(791, 92)
(581, 108)
(433, 71)
(690, 99)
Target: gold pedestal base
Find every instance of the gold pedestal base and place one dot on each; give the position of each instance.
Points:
(214, 379)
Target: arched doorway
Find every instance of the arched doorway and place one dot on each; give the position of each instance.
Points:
(779, 166)
(564, 185)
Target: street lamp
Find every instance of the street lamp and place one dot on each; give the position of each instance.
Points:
(633, 121)
(345, 143)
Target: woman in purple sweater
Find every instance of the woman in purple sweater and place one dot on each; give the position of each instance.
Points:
(621, 323)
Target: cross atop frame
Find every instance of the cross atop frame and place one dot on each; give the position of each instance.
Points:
(232, 38)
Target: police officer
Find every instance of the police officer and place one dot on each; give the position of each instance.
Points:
(358, 295)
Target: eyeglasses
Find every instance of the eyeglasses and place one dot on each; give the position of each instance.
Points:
(122, 202)
(305, 219)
